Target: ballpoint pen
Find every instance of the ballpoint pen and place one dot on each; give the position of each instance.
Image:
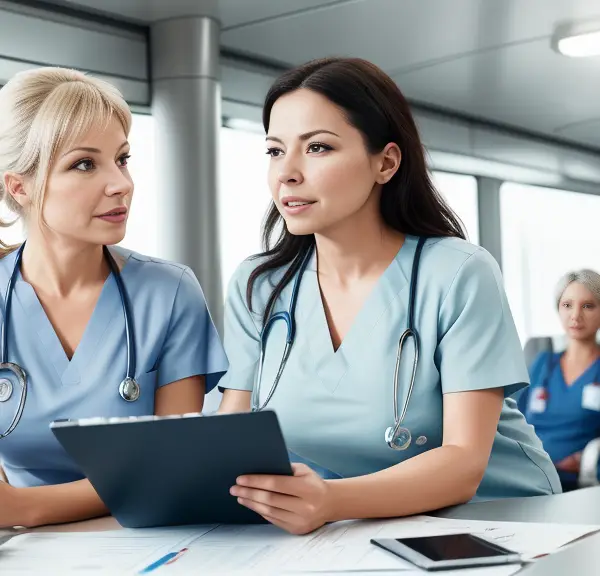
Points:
(166, 559)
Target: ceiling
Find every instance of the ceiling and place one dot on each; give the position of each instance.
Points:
(485, 59)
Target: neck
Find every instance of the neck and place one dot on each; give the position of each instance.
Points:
(59, 268)
(360, 246)
(582, 351)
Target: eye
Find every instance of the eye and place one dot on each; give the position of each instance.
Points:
(274, 152)
(566, 304)
(317, 147)
(123, 160)
(84, 165)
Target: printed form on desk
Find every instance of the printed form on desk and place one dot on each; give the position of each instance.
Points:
(346, 547)
(264, 549)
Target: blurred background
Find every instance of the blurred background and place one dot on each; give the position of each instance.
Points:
(506, 94)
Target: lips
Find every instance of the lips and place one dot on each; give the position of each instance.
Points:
(114, 212)
(296, 201)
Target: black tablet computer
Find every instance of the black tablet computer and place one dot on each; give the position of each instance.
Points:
(165, 471)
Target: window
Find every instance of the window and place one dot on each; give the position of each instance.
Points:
(545, 234)
(14, 234)
(460, 191)
(244, 197)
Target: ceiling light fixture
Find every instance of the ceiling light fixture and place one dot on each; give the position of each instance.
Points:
(577, 40)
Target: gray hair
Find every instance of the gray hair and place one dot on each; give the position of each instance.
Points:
(585, 277)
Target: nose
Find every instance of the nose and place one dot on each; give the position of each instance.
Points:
(119, 183)
(289, 172)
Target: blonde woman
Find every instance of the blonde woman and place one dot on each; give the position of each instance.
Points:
(65, 292)
(563, 403)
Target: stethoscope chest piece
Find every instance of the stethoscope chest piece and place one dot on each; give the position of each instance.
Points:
(6, 385)
(398, 437)
(129, 390)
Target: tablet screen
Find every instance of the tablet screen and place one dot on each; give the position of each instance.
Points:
(453, 547)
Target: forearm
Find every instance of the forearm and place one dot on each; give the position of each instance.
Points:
(440, 477)
(60, 503)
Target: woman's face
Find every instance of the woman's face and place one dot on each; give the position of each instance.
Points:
(579, 312)
(321, 172)
(89, 189)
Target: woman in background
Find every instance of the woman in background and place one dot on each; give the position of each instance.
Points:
(563, 402)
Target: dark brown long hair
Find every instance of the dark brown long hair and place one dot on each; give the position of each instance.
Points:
(374, 105)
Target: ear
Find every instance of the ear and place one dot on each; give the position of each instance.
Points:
(14, 184)
(389, 160)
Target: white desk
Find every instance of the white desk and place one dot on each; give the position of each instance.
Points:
(581, 507)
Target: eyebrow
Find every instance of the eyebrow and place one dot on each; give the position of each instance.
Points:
(93, 150)
(305, 136)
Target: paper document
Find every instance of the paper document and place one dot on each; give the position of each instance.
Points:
(65, 553)
(263, 549)
(346, 547)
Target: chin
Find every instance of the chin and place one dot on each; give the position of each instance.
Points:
(110, 239)
(300, 228)
(581, 336)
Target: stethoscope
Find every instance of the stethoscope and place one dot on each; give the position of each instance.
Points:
(129, 389)
(397, 436)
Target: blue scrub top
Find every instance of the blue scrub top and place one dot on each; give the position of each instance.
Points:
(335, 405)
(565, 426)
(175, 339)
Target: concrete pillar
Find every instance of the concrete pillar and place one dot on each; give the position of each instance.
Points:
(490, 226)
(186, 105)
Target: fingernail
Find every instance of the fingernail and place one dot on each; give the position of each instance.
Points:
(233, 491)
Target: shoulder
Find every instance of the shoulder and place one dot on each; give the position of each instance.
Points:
(152, 273)
(448, 261)
(263, 284)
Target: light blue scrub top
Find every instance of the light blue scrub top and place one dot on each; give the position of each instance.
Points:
(175, 339)
(334, 406)
(565, 424)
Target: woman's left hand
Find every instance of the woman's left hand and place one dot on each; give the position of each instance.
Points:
(298, 503)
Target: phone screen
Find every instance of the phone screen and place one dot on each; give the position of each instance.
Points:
(453, 547)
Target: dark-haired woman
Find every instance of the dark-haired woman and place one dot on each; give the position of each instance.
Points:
(355, 228)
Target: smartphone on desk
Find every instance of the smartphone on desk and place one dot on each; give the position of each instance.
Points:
(449, 551)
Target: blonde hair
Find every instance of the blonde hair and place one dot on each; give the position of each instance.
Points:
(585, 277)
(43, 110)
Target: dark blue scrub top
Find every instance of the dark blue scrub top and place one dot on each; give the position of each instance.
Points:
(565, 426)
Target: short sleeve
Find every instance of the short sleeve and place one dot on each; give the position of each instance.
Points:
(242, 335)
(192, 346)
(478, 345)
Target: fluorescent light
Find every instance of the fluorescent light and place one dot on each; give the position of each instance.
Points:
(580, 45)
